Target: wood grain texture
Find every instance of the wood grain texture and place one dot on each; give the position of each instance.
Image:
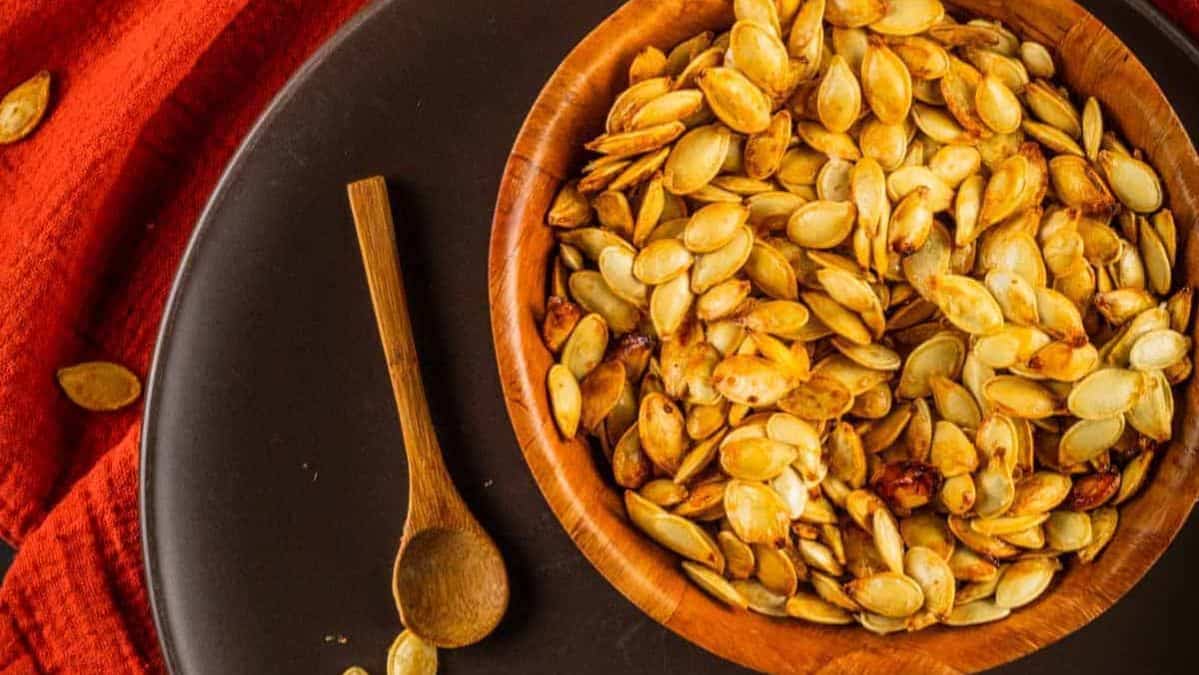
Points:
(569, 111)
(449, 582)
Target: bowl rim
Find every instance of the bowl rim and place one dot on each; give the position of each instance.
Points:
(590, 510)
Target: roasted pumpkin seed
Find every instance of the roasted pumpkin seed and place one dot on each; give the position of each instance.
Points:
(410, 655)
(673, 532)
(100, 386)
(23, 107)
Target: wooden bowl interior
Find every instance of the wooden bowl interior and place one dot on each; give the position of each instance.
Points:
(569, 111)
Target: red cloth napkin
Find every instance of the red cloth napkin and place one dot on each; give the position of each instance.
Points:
(151, 97)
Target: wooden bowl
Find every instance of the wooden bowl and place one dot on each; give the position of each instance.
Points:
(571, 110)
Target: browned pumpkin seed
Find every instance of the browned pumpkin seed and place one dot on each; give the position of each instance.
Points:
(1068, 531)
(751, 380)
(827, 142)
(1103, 528)
(1037, 59)
(23, 108)
(1153, 412)
(975, 613)
(1020, 397)
(735, 100)
(888, 594)
(821, 398)
(673, 532)
(1134, 182)
(714, 584)
(1080, 186)
(756, 513)
(909, 17)
(591, 291)
(696, 159)
(601, 390)
(720, 265)
(815, 609)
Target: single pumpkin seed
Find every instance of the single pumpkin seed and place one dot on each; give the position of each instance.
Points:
(757, 51)
(591, 291)
(839, 98)
(1134, 182)
(722, 300)
(775, 569)
(673, 532)
(1156, 258)
(756, 458)
(735, 100)
(942, 355)
(1153, 412)
(764, 151)
(830, 143)
(815, 609)
(600, 391)
(756, 513)
(886, 82)
(909, 17)
(1092, 128)
(1037, 59)
(888, 594)
(629, 143)
(998, 106)
(1079, 186)
(669, 304)
(1068, 531)
(23, 107)
(975, 613)
(751, 380)
(1105, 393)
(695, 159)
(410, 655)
(714, 584)
(838, 318)
(1020, 397)
(720, 265)
(1158, 350)
(739, 556)
(821, 224)
(931, 571)
(616, 265)
(100, 386)
(1103, 527)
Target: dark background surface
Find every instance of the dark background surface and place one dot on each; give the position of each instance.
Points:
(275, 479)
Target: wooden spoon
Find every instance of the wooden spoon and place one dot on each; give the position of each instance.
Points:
(449, 581)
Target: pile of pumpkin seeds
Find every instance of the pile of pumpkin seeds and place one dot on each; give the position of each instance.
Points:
(871, 320)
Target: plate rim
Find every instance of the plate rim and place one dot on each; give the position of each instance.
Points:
(162, 342)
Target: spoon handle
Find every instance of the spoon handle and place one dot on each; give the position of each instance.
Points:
(432, 498)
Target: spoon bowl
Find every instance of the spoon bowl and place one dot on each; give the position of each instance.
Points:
(444, 586)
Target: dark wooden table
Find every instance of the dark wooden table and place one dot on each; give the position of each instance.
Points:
(275, 484)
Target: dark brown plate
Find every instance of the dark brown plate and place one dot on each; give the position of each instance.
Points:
(269, 361)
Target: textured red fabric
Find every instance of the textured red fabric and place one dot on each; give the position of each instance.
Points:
(151, 97)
